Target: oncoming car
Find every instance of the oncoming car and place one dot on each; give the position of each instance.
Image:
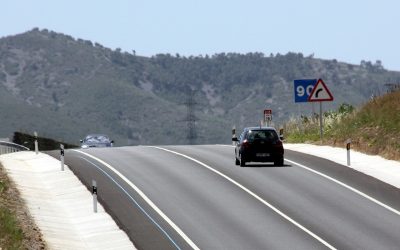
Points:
(96, 140)
(259, 144)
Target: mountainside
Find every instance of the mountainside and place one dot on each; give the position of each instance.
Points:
(65, 88)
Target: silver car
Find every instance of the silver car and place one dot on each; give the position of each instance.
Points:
(96, 140)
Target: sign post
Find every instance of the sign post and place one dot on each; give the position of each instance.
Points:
(320, 93)
(312, 90)
(267, 117)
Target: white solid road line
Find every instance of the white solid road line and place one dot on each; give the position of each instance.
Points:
(252, 194)
(346, 186)
(340, 183)
(133, 200)
(145, 198)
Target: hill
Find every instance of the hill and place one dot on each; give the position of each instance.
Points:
(65, 88)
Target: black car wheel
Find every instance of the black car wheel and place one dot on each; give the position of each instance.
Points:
(242, 161)
(278, 162)
(237, 162)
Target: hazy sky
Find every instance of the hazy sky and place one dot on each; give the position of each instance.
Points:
(348, 30)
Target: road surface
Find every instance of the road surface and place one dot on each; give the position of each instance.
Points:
(185, 197)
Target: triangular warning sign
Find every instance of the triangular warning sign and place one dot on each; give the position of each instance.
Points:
(320, 93)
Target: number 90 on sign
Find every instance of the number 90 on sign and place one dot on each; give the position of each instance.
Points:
(301, 92)
(303, 88)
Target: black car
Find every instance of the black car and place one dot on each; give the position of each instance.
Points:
(96, 140)
(259, 144)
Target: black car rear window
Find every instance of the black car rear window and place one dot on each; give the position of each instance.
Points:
(267, 135)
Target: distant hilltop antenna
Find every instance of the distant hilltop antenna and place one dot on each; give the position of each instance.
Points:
(191, 117)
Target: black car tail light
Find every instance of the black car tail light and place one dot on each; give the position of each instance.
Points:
(246, 144)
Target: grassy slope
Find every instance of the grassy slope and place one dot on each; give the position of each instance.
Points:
(17, 229)
(10, 233)
(374, 128)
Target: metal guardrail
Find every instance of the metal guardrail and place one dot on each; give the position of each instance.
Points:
(9, 147)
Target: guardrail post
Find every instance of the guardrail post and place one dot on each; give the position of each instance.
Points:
(94, 192)
(62, 156)
(348, 142)
(36, 143)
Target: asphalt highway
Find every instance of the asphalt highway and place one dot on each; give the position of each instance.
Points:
(185, 197)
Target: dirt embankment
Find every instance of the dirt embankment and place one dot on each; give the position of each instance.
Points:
(17, 227)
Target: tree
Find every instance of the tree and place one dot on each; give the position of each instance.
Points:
(378, 65)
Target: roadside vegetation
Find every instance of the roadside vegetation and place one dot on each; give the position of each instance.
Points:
(373, 128)
(10, 233)
(17, 230)
(46, 144)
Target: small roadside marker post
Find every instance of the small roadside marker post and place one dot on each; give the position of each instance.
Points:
(36, 142)
(94, 192)
(62, 156)
(233, 135)
(348, 142)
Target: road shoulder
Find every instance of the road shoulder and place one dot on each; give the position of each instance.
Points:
(60, 205)
(382, 169)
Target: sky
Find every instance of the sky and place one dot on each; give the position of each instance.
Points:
(346, 30)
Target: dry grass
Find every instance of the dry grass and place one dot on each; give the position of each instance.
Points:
(374, 128)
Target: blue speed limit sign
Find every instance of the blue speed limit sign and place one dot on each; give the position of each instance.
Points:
(303, 88)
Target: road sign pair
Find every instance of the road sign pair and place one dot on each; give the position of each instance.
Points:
(311, 90)
(267, 115)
